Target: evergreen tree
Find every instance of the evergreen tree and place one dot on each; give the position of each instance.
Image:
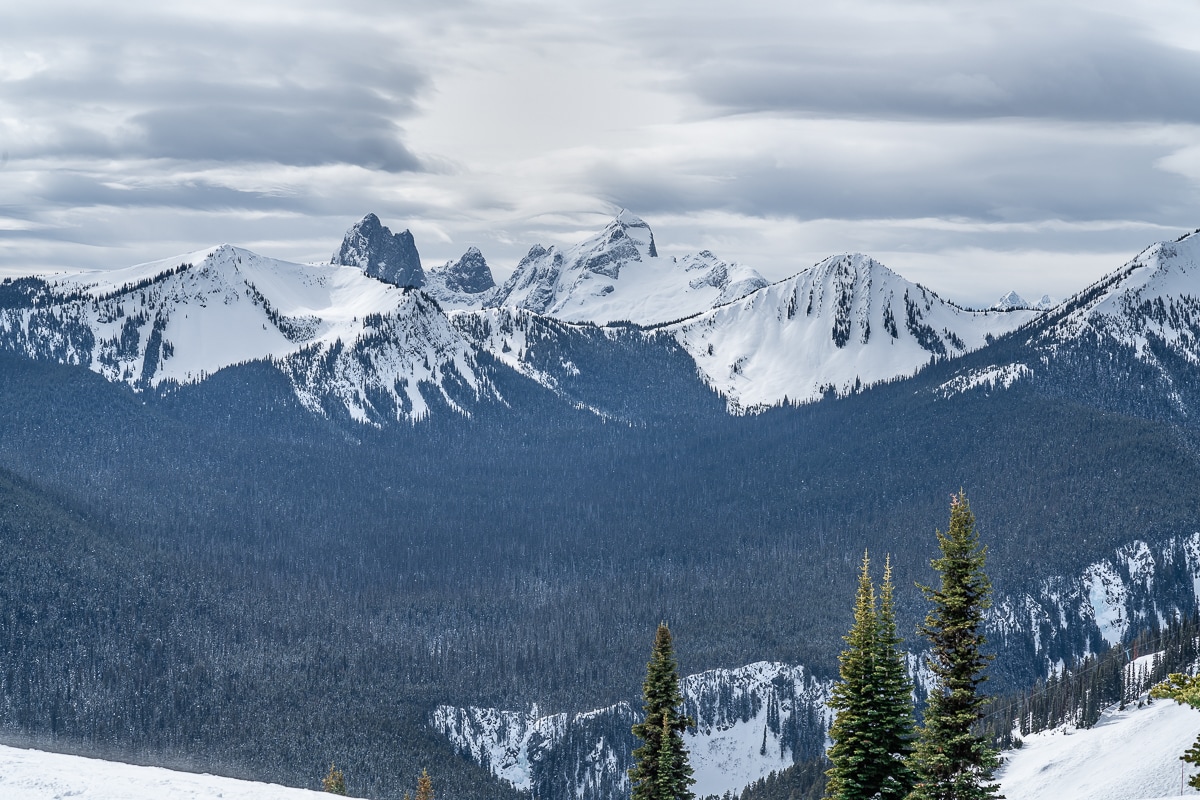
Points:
(424, 786)
(853, 773)
(951, 762)
(661, 770)
(893, 732)
(334, 782)
(873, 729)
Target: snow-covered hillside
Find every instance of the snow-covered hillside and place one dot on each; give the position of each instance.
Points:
(617, 275)
(750, 721)
(1154, 298)
(847, 322)
(338, 333)
(38, 775)
(1128, 755)
(1073, 615)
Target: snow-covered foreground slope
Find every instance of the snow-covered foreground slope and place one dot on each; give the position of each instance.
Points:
(38, 775)
(1127, 755)
(847, 322)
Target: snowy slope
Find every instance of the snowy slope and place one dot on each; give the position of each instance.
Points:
(1156, 296)
(333, 329)
(847, 322)
(1143, 318)
(750, 721)
(617, 275)
(37, 775)
(1127, 755)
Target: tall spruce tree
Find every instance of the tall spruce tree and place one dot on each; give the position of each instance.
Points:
(661, 770)
(852, 775)
(951, 762)
(872, 732)
(893, 699)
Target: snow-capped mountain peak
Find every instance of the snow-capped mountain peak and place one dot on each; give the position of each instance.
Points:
(1153, 300)
(845, 323)
(1010, 301)
(463, 284)
(617, 275)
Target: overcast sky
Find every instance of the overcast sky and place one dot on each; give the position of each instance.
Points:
(974, 147)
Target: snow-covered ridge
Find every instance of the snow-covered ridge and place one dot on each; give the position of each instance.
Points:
(846, 323)
(1127, 755)
(750, 721)
(334, 330)
(1156, 296)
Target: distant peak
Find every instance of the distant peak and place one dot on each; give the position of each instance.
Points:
(470, 274)
(1011, 301)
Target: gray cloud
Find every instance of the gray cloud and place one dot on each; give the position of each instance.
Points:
(773, 133)
(1020, 173)
(920, 60)
(300, 137)
(167, 87)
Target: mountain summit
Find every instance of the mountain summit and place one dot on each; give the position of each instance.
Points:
(617, 275)
(373, 248)
(844, 323)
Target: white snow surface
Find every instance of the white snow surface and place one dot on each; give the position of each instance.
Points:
(1127, 755)
(846, 323)
(38, 775)
(617, 276)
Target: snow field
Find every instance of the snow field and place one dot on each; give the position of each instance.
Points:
(38, 775)
(1128, 755)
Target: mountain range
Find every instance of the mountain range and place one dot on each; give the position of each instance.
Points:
(363, 326)
(261, 515)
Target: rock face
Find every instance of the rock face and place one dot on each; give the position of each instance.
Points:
(470, 274)
(390, 257)
(463, 284)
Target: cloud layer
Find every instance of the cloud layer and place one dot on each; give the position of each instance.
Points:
(978, 149)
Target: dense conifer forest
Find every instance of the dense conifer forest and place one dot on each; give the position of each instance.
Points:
(214, 576)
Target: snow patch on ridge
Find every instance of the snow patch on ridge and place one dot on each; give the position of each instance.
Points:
(988, 378)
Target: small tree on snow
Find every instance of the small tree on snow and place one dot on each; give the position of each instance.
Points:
(335, 781)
